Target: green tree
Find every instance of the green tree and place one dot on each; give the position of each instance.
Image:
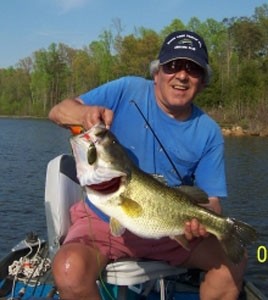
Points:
(175, 25)
(136, 52)
(85, 74)
(14, 91)
(48, 78)
(248, 38)
(101, 53)
(261, 18)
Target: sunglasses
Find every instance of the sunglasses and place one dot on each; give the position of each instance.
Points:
(178, 65)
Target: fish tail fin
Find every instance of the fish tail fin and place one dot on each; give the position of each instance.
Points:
(235, 239)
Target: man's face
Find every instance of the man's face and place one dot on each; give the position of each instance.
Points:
(176, 85)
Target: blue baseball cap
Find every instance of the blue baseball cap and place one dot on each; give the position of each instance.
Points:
(184, 45)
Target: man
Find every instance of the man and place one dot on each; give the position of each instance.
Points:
(141, 113)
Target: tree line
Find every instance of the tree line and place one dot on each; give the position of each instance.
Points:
(238, 50)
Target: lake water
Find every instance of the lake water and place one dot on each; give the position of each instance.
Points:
(26, 146)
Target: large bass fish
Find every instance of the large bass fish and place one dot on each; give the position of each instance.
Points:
(141, 203)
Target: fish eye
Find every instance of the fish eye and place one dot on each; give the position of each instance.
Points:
(91, 154)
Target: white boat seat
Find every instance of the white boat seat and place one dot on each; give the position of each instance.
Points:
(131, 272)
(61, 191)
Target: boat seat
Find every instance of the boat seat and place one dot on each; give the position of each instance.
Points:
(61, 191)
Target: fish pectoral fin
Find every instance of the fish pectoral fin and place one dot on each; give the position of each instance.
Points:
(117, 229)
(181, 239)
(130, 207)
(195, 193)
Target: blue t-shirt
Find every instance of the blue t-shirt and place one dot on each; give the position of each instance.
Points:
(195, 146)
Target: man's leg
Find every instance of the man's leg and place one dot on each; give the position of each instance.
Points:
(223, 279)
(76, 267)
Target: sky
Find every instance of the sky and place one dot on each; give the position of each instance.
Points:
(31, 25)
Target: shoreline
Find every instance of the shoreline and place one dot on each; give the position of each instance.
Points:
(21, 117)
(234, 131)
(238, 131)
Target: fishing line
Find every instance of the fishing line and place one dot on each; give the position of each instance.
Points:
(158, 140)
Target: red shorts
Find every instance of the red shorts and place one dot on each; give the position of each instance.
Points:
(89, 229)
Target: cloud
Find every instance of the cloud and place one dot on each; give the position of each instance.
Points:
(68, 5)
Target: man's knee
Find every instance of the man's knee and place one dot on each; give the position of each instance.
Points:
(75, 270)
(73, 264)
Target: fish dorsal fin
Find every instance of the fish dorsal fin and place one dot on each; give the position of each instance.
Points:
(195, 193)
(130, 207)
(117, 229)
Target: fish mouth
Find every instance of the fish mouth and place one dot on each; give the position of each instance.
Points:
(106, 187)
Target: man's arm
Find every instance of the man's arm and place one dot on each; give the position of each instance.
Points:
(74, 112)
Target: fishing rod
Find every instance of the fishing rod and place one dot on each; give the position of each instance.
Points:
(158, 140)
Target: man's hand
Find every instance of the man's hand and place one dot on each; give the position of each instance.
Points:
(194, 229)
(96, 114)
